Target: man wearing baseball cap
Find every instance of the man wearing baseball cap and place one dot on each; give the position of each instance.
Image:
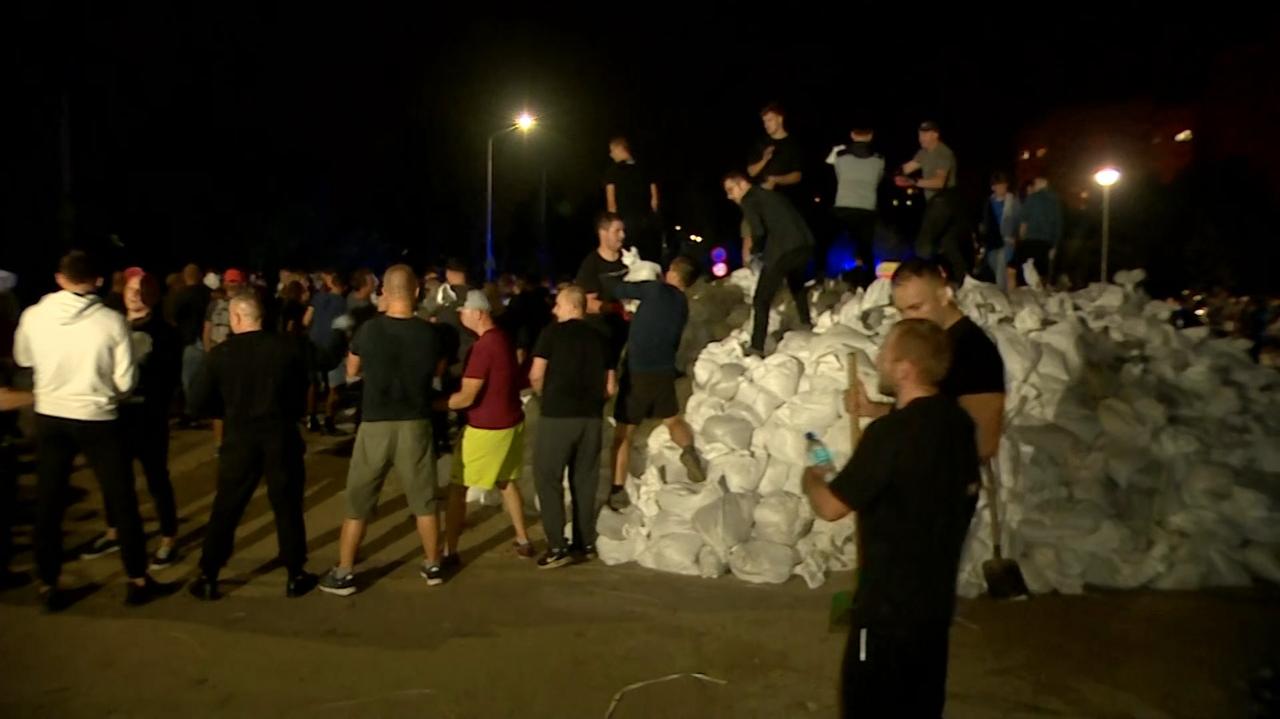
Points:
(941, 232)
(491, 448)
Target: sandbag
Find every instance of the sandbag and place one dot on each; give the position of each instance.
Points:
(726, 522)
(762, 562)
(676, 553)
(780, 519)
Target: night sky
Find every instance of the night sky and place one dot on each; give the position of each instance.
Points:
(312, 136)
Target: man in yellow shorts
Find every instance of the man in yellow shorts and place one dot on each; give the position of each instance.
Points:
(491, 447)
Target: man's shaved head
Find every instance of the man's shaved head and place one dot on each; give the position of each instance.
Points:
(400, 283)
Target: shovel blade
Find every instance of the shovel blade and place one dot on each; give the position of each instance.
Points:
(1004, 579)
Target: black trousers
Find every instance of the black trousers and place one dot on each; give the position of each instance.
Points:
(860, 226)
(788, 268)
(572, 442)
(894, 674)
(249, 453)
(58, 442)
(942, 236)
(644, 232)
(1038, 252)
(146, 430)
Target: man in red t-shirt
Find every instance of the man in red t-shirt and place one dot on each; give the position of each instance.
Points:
(492, 444)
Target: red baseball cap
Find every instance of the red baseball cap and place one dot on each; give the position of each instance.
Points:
(133, 272)
(233, 277)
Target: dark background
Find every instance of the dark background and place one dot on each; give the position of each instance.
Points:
(297, 134)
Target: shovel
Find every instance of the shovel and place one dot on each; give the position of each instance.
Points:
(1004, 577)
(842, 602)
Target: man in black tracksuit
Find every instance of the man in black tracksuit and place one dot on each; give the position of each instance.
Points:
(780, 235)
(257, 383)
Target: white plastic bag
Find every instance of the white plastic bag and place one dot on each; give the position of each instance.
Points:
(726, 522)
(762, 562)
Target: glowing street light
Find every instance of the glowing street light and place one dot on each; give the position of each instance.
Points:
(1106, 177)
(524, 122)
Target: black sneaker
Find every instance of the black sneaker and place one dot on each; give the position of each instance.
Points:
(554, 559)
(313, 425)
(299, 584)
(451, 562)
(589, 552)
(331, 583)
(137, 595)
(434, 574)
(619, 499)
(331, 429)
(165, 557)
(101, 546)
(53, 599)
(693, 465)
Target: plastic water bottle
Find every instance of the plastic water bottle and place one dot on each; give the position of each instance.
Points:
(819, 455)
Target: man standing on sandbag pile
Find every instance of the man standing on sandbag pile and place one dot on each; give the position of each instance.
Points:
(648, 386)
(781, 237)
(572, 375)
(976, 375)
(909, 481)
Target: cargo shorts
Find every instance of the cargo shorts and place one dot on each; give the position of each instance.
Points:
(405, 446)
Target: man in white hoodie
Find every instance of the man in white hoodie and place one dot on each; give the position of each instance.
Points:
(83, 364)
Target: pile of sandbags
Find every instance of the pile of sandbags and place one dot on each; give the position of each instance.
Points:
(1135, 454)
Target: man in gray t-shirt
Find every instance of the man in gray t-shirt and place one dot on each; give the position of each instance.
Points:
(941, 229)
(858, 173)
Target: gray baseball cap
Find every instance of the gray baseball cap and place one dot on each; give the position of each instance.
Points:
(477, 300)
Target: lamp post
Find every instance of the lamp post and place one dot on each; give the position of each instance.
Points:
(1106, 177)
(524, 122)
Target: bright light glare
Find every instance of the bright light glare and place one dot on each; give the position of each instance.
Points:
(720, 269)
(1107, 176)
(1184, 136)
(525, 121)
(719, 254)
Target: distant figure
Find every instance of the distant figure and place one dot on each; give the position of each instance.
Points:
(777, 159)
(631, 192)
(190, 307)
(398, 354)
(572, 376)
(217, 326)
(82, 357)
(909, 481)
(859, 170)
(255, 380)
(328, 374)
(1040, 231)
(999, 228)
(942, 235)
(781, 237)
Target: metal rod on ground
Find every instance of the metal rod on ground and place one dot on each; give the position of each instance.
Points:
(1004, 577)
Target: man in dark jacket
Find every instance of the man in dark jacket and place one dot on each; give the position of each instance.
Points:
(781, 237)
(257, 382)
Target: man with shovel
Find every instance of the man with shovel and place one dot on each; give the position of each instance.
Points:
(910, 482)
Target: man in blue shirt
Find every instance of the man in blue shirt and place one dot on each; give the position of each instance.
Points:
(326, 306)
(648, 386)
(1041, 229)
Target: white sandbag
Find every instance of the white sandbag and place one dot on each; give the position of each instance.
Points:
(762, 562)
(619, 551)
(682, 500)
(779, 374)
(731, 431)
(809, 411)
(711, 564)
(761, 401)
(784, 442)
(779, 518)
(724, 383)
(741, 471)
(726, 522)
(619, 525)
(676, 553)
(780, 476)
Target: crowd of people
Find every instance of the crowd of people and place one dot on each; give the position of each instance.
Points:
(436, 364)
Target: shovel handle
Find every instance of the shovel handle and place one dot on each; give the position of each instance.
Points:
(855, 429)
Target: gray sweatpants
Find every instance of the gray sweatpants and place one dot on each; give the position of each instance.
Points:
(572, 442)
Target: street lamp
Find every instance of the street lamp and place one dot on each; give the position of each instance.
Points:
(1106, 177)
(523, 122)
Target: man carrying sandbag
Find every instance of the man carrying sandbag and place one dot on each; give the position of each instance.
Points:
(910, 482)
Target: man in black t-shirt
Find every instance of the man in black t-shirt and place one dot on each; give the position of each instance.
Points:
(572, 375)
(256, 381)
(776, 163)
(976, 376)
(631, 192)
(603, 310)
(398, 354)
(911, 481)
